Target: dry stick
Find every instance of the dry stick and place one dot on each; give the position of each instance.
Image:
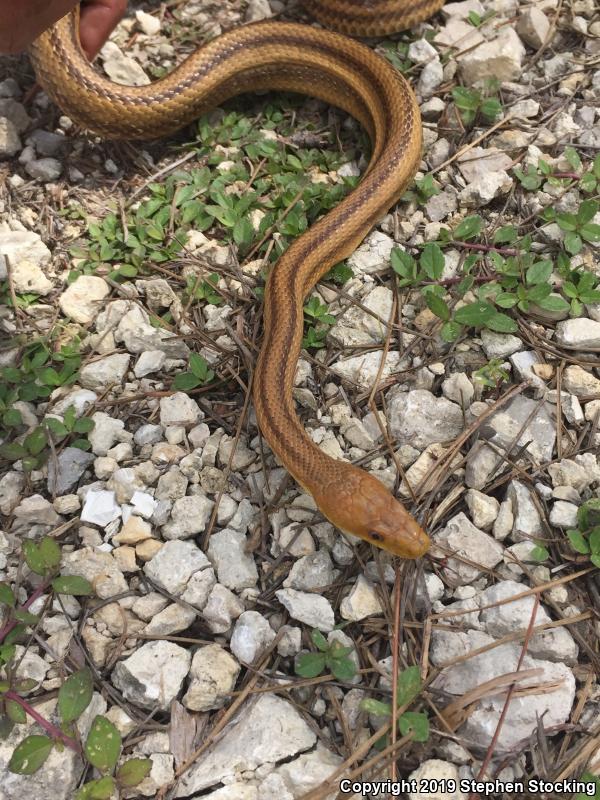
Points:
(395, 655)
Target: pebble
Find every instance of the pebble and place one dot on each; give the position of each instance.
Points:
(83, 299)
(580, 333)
(235, 566)
(174, 565)
(461, 538)
(361, 602)
(311, 609)
(251, 636)
(44, 169)
(419, 418)
(533, 27)
(105, 372)
(213, 675)
(482, 508)
(10, 143)
(267, 730)
(153, 676)
(501, 58)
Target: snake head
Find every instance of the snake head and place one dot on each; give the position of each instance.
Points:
(361, 505)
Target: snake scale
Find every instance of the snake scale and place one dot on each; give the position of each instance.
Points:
(343, 73)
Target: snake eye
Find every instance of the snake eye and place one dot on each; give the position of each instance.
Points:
(377, 537)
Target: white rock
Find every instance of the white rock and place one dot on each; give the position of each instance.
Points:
(257, 10)
(361, 602)
(373, 255)
(179, 409)
(579, 381)
(266, 731)
(84, 298)
(172, 619)
(149, 362)
(174, 564)
(501, 59)
(11, 486)
(234, 565)
(462, 539)
(527, 521)
(153, 676)
(148, 24)
(436, 773)
(533, 27)
(483, 509)
(459, 389)
(212, 678)
(563, 515)
(499, 345)
(100, 508)
(189, 516)
(10, 144)
(523, 711)
(420, 419)
(251, 636)
(44, 169)
(221, 608)
(120, 68)
(580, 333)
(105, 372)
(483, 190)
(311, 609)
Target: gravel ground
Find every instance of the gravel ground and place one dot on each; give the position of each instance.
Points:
(232, 635)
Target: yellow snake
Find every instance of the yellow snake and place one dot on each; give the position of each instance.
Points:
(344, 73)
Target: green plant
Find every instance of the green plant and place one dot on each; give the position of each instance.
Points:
(198, 375)
(578, 228)
(471, 102)
(592, 781)
(320, 320)
(102, 747)
(410, 722)
(477, 20)
(585, 538)
(422, 189)
(334, 657)
(197, 289)
(493, 374)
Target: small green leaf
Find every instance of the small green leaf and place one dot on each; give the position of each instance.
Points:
(30, 754)
(501, 323)
(103, 744)
(344, 669)
(7, 653)
(319, 640)
(578, 541)
(553, 303)
(99, 789)
(469, 228)
(539, 553)
(75, 695)
(83, 425)
(50, 552)
(432, 260)
(12, 451)
(409, 685)
(438, 306)
(309, 665)
(15, 712)
(33, 557)
(539, 272)
(450, 331)
(12, 418)
(475, 314)
(594, 540)
(506, 235)
(26, 617)
(376, 707)
(416, 724)
(133, 771)
(72, 584)
(36, 441)
(7, 596)
(587, 211)
(186, 381)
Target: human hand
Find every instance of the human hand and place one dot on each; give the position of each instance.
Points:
(25, 20)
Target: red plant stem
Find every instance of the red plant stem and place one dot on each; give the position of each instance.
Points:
(487, 248)
(52, 730)
(27, 604)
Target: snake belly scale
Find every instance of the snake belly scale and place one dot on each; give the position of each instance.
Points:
(330, 67)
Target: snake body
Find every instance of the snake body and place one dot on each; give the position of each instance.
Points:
(344, 73)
